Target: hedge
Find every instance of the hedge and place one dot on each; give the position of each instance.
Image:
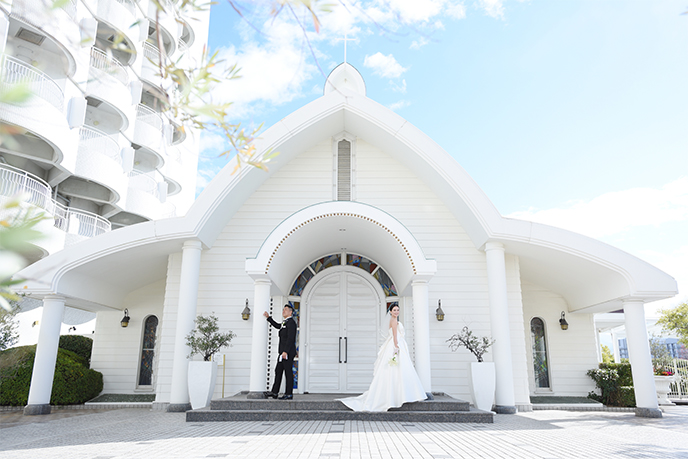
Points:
(78, 344)
(615, 382)
(74, 382)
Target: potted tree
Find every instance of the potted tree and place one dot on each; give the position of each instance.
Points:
(205, 340)
(482, 374)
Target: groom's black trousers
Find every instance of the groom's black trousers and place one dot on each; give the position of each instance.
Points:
(285, 366)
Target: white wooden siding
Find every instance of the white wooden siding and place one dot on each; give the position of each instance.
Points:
(571, 352)
(116, 350)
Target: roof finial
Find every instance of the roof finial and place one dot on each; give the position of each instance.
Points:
(345, 39)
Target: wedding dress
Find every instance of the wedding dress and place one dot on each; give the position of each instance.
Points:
(394, 383)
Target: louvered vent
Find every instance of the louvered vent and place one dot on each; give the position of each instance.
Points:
(344, 171)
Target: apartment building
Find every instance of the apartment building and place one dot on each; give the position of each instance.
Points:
(93, 147)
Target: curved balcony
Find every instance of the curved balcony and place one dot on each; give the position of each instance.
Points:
(149, 132)
(107, 82)
(66, 226)
(79, 224)
(169, 210)
(58, 24)
(98, 174)
(174, 171)
(169, 27)
(143, 198)
(115, 17)
(42, 115)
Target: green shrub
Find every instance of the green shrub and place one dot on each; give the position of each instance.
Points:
(78, 344)
(73, 383)
(615, 382)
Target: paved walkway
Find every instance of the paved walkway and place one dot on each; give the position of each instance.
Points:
(139, 433)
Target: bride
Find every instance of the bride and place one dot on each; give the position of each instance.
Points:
(395, 381)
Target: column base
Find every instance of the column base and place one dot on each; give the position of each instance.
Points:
(504, 409)
(648, 412)
(32, 410)
(255, 395)
(178, 407)
(430, 396)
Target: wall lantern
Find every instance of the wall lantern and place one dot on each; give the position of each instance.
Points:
(564, 324)
(125, 319)
(439, 312)
(246, 313)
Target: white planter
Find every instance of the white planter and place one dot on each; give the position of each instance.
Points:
(202, 376)
(482, 379)
(662, 386)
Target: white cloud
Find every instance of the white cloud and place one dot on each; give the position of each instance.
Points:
(615, 212)
(399, 105)
(456, 10)
(494, 8)
(384, 66)
(418, 44)
(399, 87)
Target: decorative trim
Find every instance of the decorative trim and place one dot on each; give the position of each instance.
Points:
(341, 214)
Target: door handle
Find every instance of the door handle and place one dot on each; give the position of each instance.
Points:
(340, 349)
(346, 350)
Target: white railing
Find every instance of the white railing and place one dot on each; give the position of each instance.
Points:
(93, 140)
(129, 5)
(101, 61)
(15, 181)
(183, 47)
(140, 180)
(151, 52)
(149, 116)
(70, 8)
(81, 222)
(41, 85)
(679, 388)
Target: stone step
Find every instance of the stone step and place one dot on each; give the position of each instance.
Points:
(208, 415)
(234, 404)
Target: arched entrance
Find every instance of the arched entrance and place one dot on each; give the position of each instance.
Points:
(340, 322)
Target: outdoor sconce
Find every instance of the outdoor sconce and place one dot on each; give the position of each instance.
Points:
(125, 319)
(564, 324)
(439, 312)
(246, 313)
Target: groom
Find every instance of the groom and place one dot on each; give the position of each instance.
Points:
(287, 352)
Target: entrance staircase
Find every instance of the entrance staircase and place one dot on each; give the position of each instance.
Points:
(325, 407)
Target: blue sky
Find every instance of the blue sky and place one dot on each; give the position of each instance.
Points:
(571, 113)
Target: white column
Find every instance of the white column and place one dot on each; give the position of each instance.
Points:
(4, 27)
(259, 339)
(499, 321)
(46, 356)
(615, 347)
(641, 361)
(186, 314)
(421, 330)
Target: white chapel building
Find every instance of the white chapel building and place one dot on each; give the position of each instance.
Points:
(359, 210)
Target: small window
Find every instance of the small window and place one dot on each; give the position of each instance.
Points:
(540, 363)
(147, 352)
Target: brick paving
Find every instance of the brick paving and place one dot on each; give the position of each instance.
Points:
(138, 433)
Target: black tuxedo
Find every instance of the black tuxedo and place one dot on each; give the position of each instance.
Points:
(287, 343)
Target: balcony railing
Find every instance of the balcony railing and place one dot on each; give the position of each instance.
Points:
(149, 116)
(14, 71)
(183, 47)
(81, 222)
(36, 191)
(15, 181)
(150, 51)
(93, 140)
(101, 61)
(143, 181)
(169, 210)
(70, 8)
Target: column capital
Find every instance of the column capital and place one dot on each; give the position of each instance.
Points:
(633, 301)
(494, 246)
(262, 281)
(54, 298)
(192, 244)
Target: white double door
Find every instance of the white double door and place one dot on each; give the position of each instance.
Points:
(343, 312)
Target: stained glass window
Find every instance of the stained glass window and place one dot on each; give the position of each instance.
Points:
(301, 282)
(147, 350)
(385, 282)
(361, 262)
(326, 262)
(540, 364)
